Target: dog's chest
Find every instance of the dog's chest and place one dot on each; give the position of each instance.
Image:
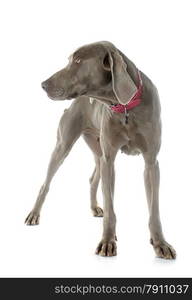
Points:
(124, 125)
(118, 130)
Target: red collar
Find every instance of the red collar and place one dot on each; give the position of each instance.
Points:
(135, 101)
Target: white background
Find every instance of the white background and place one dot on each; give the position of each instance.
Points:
(36, 39)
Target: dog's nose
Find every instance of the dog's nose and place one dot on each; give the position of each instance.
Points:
(44, 85)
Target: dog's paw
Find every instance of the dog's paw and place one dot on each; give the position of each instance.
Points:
(107, 248)
(163, 249)
(32, 219)
(97, 212)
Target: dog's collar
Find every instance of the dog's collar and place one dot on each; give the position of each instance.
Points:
(135, 101)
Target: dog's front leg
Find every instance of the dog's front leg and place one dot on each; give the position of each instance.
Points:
(152, 178)
(107, 246)
(70, 128)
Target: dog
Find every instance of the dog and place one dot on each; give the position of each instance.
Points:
(116, 107)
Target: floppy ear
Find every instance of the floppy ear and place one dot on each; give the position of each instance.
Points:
(123, 86)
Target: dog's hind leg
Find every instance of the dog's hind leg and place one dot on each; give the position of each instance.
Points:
(69, 130)
(93, 143)
(152, 178)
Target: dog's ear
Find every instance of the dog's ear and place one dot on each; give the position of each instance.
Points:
(123, 86)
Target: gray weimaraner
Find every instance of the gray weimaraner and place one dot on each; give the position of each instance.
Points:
(116, 107)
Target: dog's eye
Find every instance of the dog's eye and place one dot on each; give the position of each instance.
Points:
(77, 60)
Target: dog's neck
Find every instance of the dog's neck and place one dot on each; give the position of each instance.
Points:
(105, 95)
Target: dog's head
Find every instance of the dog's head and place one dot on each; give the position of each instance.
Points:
(97, 69)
